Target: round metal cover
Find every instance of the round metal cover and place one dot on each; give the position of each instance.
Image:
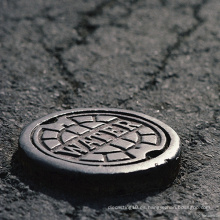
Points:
(103, 149)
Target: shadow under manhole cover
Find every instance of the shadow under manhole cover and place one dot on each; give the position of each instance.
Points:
(102, 150)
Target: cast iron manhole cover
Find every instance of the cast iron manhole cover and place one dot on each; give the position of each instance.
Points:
(103, 149)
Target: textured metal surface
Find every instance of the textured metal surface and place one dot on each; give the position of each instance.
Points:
(100, 141)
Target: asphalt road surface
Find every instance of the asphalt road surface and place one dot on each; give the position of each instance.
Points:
(161, 58)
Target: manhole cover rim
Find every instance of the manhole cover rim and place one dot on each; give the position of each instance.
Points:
(171, 153)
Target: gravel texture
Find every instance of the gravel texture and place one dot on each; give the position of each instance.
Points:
(160, 57)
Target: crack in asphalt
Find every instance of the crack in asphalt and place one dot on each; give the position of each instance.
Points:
(180, 38)
(86, 29)
(56, 54)
(170, 49)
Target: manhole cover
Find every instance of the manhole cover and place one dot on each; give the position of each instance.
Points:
(103, 149)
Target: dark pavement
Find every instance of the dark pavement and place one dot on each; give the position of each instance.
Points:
(161, 58)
